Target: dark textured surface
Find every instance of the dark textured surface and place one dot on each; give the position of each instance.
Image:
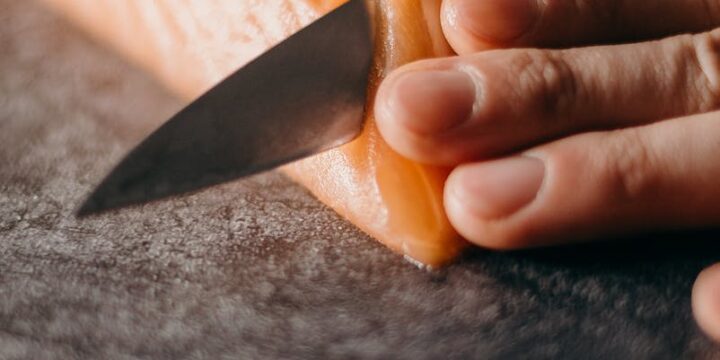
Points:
(258, 268)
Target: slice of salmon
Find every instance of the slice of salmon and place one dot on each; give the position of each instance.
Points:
(191, 45)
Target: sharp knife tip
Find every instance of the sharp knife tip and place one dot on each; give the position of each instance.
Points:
(85, 211)
(100, 201)
(91, 206)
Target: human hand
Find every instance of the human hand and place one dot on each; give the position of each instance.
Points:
(552, 146)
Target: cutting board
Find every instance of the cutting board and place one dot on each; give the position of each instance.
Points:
(258, 268)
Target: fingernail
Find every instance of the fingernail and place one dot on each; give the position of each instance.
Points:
(496, 20)
(499, 188)
(427, 102)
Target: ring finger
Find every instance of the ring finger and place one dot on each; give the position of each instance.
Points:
(472, 25)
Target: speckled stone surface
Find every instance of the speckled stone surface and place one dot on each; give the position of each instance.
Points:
(258, 268)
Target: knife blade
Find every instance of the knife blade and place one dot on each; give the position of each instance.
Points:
(304, 96)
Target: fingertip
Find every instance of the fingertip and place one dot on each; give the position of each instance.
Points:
(477, 230)
(481, 197)
(461, 41)
(429, 102)
(470, 226)
(706, 301)
(473, 25)
(413, 107)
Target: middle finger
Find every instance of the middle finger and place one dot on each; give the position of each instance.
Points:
(452, 110)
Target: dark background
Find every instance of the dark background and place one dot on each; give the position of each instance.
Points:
(258, 268)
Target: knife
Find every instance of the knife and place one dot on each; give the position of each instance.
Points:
(302, 97)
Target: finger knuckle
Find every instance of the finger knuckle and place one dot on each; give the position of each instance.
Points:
(629, 166)
(705, 53)
(550, 81)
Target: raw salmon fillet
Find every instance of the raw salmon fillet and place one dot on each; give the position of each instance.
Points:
(191, 45)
